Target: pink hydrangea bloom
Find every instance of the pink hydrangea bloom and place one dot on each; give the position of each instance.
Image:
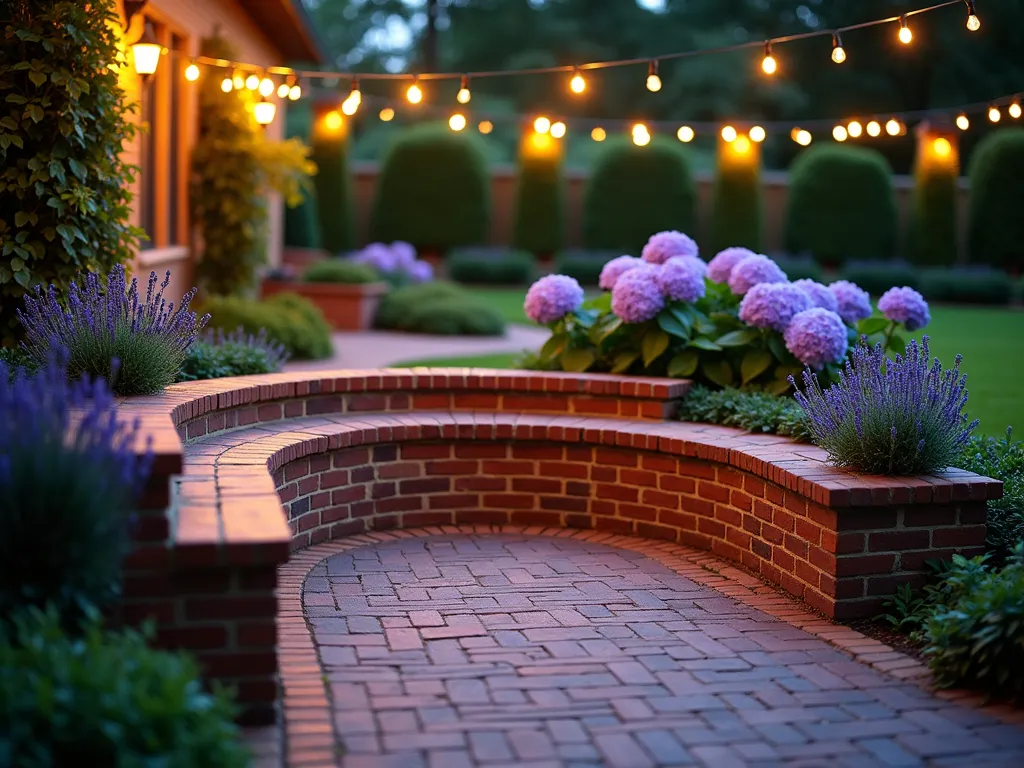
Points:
(817, 337)
(664, 245)
(753, 270)
(681, 278)
(551, 298)
(636, 296)
(721, 266)
(615, 268)
(773, 305)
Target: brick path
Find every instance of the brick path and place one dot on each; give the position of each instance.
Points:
(536, 651)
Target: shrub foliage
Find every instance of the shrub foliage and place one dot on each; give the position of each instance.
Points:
(754, 411)
(995, 225)
(491, 266)
(540, 204)
(438, 308)
(339, 271)
(736, 205)
(933, 224)
(333, 185)
(233, 354)
(288, 319)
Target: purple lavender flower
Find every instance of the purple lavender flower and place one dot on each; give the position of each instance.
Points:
(854, 302)
(636, 296)
(819, 294)
(551, 298)
(615, 268)
(664, 245)
(721, 266)
(752, 271)
(681, 278)
(773, 305)
(894, 417)
(905, 305)
(817, 337)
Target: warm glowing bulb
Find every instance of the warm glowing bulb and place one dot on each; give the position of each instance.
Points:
(355, 95)
(994, 114)
(905, 34)
(598, 134)
(963, 122)
(973, 22)
(192, 72)
(238, 81)
(685, 134)
(942, 147)
(282, 90)
(333, 121)
(1014, 110)
(264, 112)
(295, 92)
(802, 137)
(486, 126)
(855, 129)
(838, 52)
(542, 125)
(839, 133)
(769, 65)
(641, 136)
(349, 106)
(874, 128)
(653, 83)
(757, 133)
(387, 114)
(558, 129)
(252, 82)
(578, 84)
(741, 145)
(266, 87)
(457, 121)
(729, 133)
(226, 85)
(893, 127)
(463, 96)
(414, 94)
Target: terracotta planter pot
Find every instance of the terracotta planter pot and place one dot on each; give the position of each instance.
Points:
(346, 307)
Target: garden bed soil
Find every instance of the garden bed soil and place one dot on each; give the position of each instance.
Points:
(346, 307)
(895, 639)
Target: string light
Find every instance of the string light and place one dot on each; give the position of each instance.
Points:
(838, 52)
(354, 93)
(542, 125)
(283, 90)
(893, 127)
(641, 136)
(264, 112)
(802, 137)
(962, 122)
(333, 121)
(729, 134)
(238, 80)
(653, 79)
(942, 147)
(757, 134)
(226, 85)
(1014, 110)
(558, 129)
(266, 87)
(874, 128)
(349, 107)
(855, 129)
(973, 22)
(295, 92)
(685, 134)
(192, 72)
(905, 35)
(252, 82)
(414, 94)
(485, 127)
(464, 95)
(387, 114)
(839, 133)
(577, 84)
(457, 121)
(768, 64)
(598, 134)
(994, 114)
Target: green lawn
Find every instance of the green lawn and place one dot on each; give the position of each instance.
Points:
(991, 341)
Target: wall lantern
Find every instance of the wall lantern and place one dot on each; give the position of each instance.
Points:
(264, 112)
(146, 52)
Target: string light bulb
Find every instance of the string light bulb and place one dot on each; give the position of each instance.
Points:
(577, 84)
(942, 147)
(768, 64)
(333, 121)
(227, 85)
(558, 129)
(266, 87)
(855, 129)
(874, 128)
(757, 134)
(485, 127)
(387, 114)
(192, 72)
(839, 133)
(252, 82)
(282, 90)
(354, 93)
(1014, 110)
(973, 22)
(802, 137)
(729, 134)
(599, 134)
(905, 35)
(414, 94)
(893, 127)
(238, 80)
(653, 78)
(963, 122)
(464, 94)
(641, 136)
(994, 115)
(838, 52)
(541, 125)
(685, 134)
(264, 112)
(457, 121)
(349, 106)
(295, 92)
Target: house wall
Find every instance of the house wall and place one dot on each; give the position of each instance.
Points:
(193, 20)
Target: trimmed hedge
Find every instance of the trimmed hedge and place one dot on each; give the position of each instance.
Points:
(339, 271)
(301, 223)
(442, 309)
(583, 265)
(995, 224)
(736, 202)
(289, 319)
(799, 267)
(933, 216)
(333, 186)
(967, 286)
(876, 277)
(433, 190)
(634, 192)
(841, 205)
(491, 266)
(540, 205)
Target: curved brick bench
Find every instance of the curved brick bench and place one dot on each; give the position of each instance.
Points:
(274, 463)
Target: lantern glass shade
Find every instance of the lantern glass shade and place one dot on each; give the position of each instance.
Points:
(146, 52)
(264, 112)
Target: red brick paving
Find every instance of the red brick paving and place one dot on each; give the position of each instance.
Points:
(580, 649)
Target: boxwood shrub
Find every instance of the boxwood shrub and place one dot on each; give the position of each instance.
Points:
(799, 267)
(736, 202)
(491, 266)
(995, 224)
(339, 271)
(583, 265)
(540, 204)
(636, 191)
(932, 239)
(876, 277)
(438, 308)
(433, 190)
(841, 205)
(967, 286)
(301, 222)
(333, 190)
(289, 319)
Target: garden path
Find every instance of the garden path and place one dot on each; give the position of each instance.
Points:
(448, 649)
(379, 349)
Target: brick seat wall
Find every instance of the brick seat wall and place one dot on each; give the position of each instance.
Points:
(273, 463)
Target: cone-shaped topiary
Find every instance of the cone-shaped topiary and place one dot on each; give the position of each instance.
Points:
(433, 190)
(333, 185)
(540, 208)
(933, 229)
(996, 227)
(634, 192)
(841, 205)
(736, 207)
(301, 223)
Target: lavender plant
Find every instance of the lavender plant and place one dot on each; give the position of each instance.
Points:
(889, 417)
(69, 473)
(237, 353)
(106, 320)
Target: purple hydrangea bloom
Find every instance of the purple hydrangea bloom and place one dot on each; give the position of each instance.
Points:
(854, 302)
(420, 272)
(754, 270)
(379, 256)
(819, 294)
(664, 245)
(551, 298)
(773, 305)
(905, 305)
(636, 296)
(404, 254)
(681, 278)
(721, 266)
(615, 268)
(816, 337)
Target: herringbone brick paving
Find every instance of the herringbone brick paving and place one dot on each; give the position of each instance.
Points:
(536, 651)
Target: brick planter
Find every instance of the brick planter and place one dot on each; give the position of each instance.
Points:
(280, 462)
(346, 307)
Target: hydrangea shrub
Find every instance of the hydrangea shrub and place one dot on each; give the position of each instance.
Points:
(396, 262)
